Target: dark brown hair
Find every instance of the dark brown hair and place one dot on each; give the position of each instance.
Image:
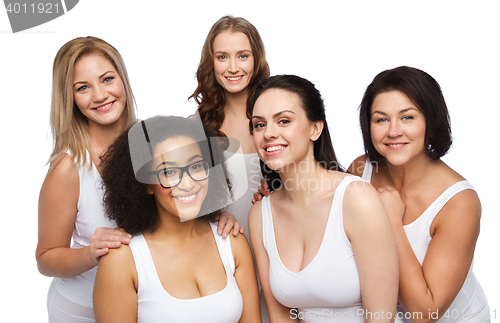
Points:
(209, 94)
(425, 93)
(312, 103)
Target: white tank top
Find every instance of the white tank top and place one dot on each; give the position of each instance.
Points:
(328, 287)
(90, 216)
(156, 305)
(470, 304)
(245, 176)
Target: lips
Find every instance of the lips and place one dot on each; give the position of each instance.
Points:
(186, 198)
(274, 149)
(395, 145)
(104, 107)
(234, 79)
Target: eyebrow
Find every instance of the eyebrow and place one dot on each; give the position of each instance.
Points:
(100, 76)
(400, 112)
(169, 163)
(238, 52)
(275, 115)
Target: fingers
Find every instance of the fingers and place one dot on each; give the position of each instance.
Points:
(256, 197)
(223, 220)
(98, 253)
(262, 191)
(104, 239)
(228, 223)
(238, 228)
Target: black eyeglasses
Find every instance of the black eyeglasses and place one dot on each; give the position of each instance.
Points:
(172, 176)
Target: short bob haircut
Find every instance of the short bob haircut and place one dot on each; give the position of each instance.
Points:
(209, 94)
(425, 93)
(313, 105)
(126, 199)
(68, 125)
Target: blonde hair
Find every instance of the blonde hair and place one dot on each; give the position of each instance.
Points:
(69, 126)
(209, 94)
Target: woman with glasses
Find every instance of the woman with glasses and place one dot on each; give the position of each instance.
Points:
(92, 103)
(165, 182)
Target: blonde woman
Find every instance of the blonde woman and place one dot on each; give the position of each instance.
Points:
(92, 103)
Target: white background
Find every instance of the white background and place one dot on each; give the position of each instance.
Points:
(338, 45)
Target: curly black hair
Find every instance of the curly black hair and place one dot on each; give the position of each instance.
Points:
(126, 199)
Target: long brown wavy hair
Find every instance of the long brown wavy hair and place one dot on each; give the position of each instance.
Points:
(209, 94)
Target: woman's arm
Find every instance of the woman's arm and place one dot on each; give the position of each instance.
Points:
(432, 287)
(246, 279)
(374, 246)
(115, 289)
(57, 208)
(277, 312)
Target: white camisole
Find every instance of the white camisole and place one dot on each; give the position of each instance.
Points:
(70, 299)
(328, 289)
(156, 305)
(470, 304)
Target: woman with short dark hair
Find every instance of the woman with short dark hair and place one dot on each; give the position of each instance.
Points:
(434, 211)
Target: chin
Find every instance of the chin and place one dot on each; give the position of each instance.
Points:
(276, 165)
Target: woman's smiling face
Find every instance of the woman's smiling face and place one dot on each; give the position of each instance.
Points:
(282, 132)
(233, 61)
(185, 199)
(397, 127)
(98, 90)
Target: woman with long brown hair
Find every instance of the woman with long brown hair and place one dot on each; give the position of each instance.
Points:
(233, 61)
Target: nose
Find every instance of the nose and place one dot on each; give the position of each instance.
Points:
(186, 183)
(233, 66)
(394, 130)
(270, 132)
(99, 94)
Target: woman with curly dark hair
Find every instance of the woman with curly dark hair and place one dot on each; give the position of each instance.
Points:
(164, 183)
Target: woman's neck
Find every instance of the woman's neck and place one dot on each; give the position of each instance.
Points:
(411, 173)
(236, 103)
(101, 137)
(172, 228)
(303, 180)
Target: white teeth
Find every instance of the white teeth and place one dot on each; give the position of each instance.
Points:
(274, 148)
(236, 78)
(185, 198)
(105, 106)
(394, 145)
